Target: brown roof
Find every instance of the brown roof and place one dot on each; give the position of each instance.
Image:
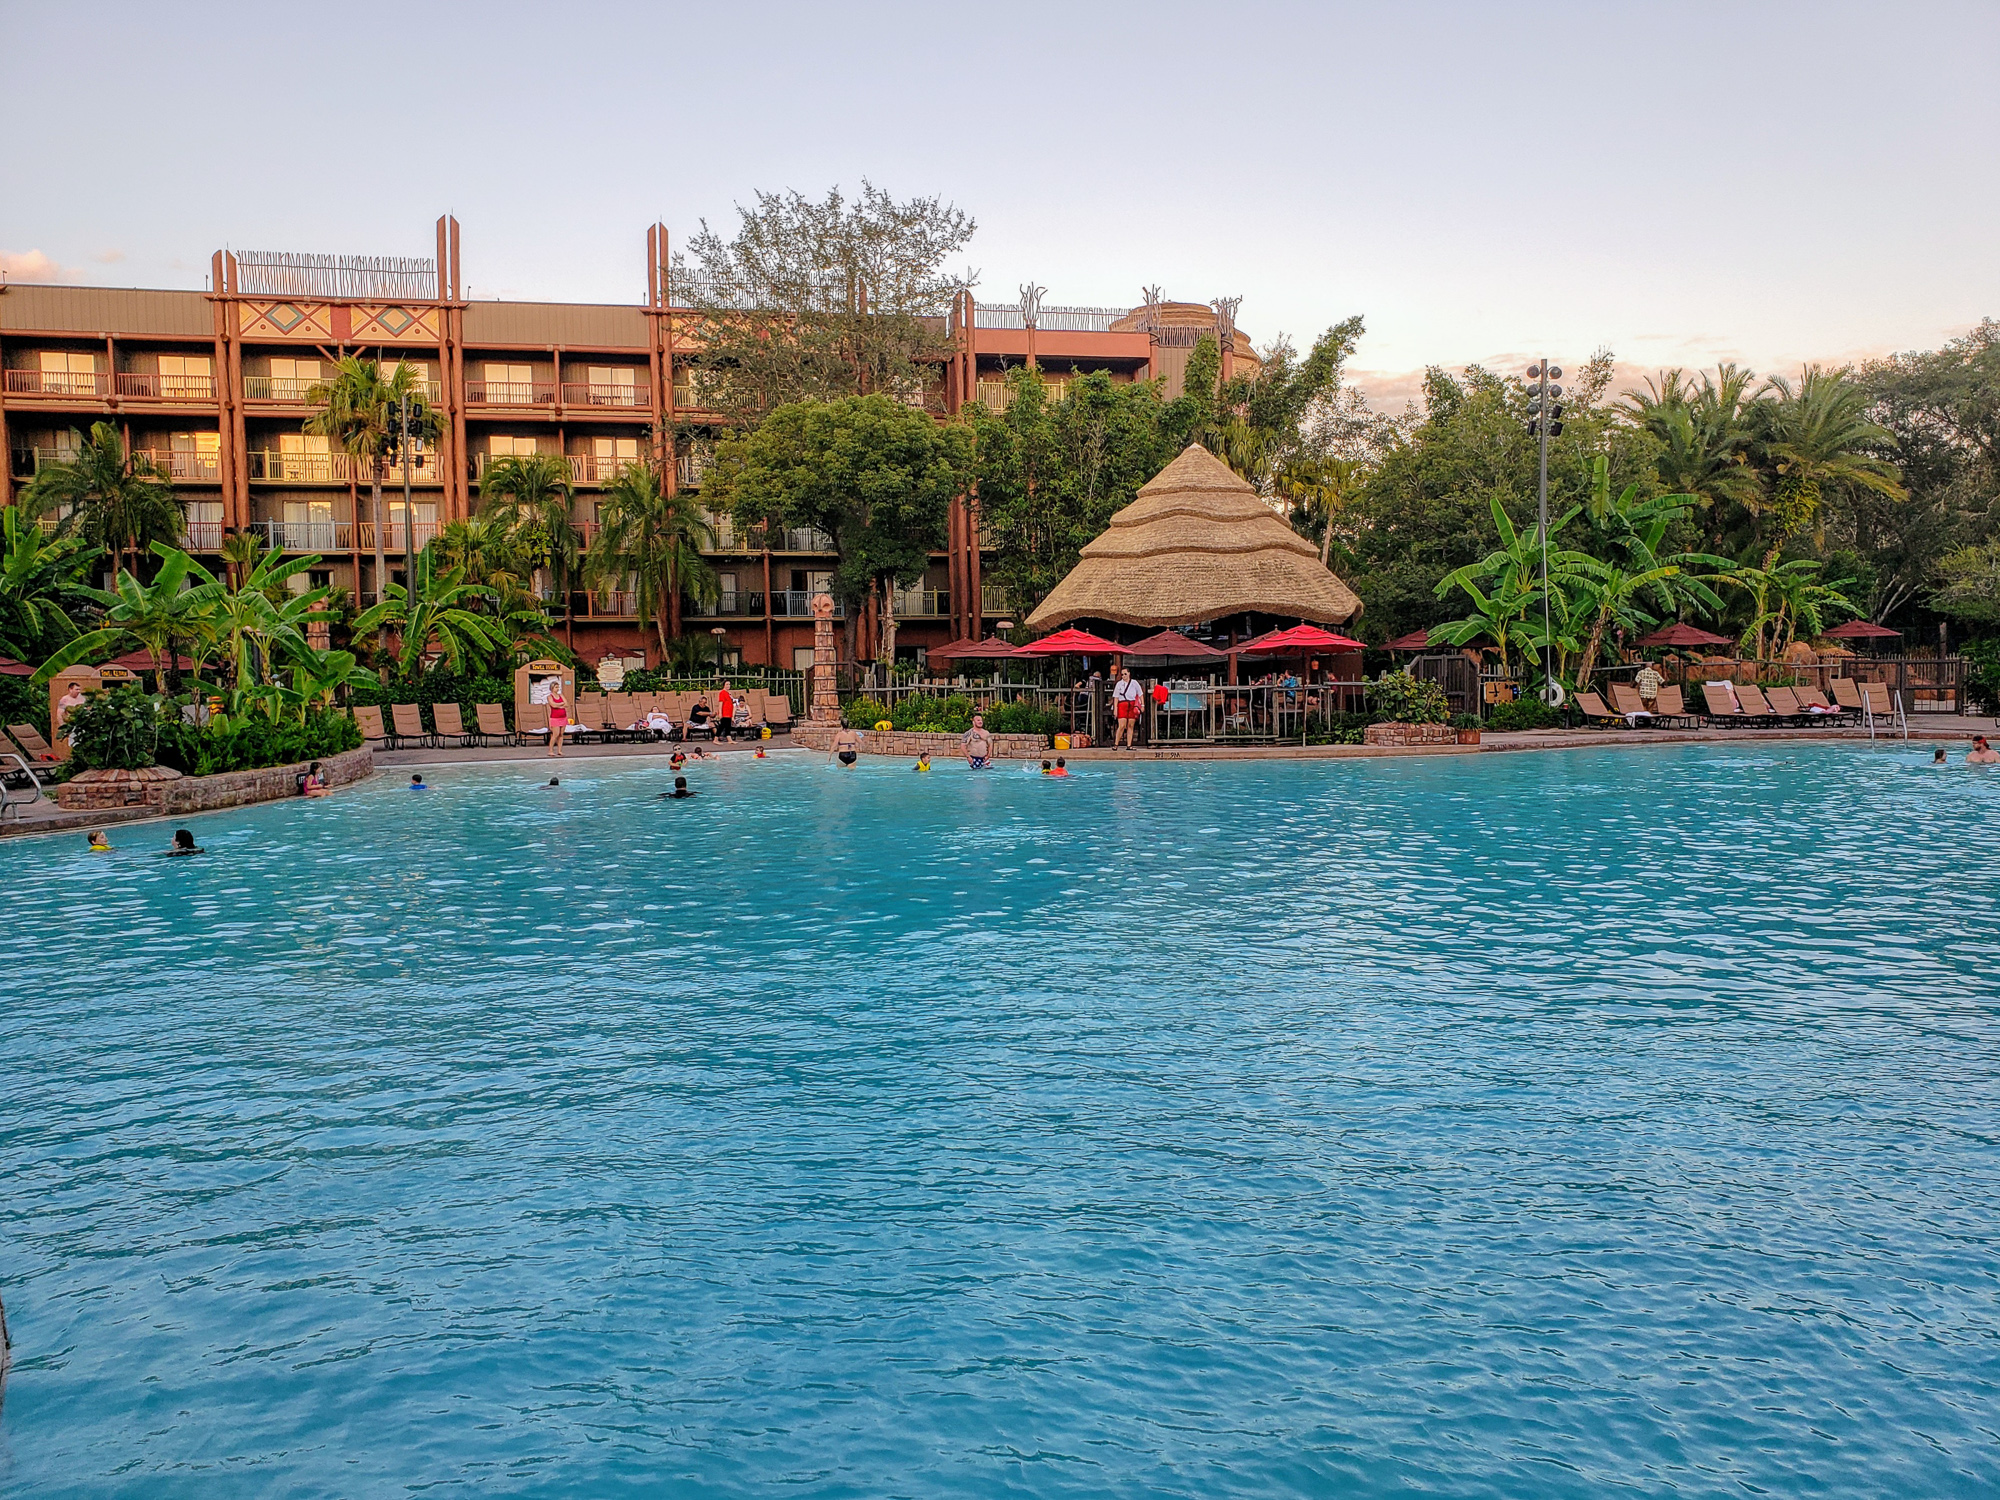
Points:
(1197, 544)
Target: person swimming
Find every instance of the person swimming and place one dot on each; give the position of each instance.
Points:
(680, 789)
(760, 753)
(552, 781)
(1062, 767)
(1047, 769)
(924, 761)
(1938, 758)
(846, 747)
(98, 844)
(184, 844)
(677, 760)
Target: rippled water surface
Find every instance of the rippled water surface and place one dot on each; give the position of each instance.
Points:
(1567, 1124)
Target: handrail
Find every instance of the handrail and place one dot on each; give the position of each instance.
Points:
(8, 801)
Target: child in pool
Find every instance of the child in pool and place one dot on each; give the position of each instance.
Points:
(98, 844)
(924, 761)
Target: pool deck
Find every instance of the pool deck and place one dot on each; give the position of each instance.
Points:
(1948, 729)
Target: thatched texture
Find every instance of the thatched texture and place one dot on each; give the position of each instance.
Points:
(1197, 544)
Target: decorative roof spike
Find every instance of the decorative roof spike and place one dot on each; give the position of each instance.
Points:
(1225, 317)
(1031, 302)
(1150, 319)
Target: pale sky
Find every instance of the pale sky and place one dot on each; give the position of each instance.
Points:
(1482, 182)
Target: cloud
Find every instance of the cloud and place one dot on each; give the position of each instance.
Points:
(108, 257)
(33, 265)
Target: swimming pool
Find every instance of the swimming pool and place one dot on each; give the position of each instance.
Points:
(1499, 1125)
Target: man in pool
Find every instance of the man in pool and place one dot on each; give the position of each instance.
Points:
(978, 744)
(680, 789)
(417, 782)
(846, 747)
(1982, 754)
(1062, 767)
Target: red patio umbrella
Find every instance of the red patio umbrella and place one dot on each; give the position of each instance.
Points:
(990, 649)
(1416, 640)
(1862, 630)
(11, 668)
(1681, 635)
(1300, 638)
(1171, 643)
(1071, 642)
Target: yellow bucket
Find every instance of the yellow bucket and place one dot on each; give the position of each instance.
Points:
(1062, 742)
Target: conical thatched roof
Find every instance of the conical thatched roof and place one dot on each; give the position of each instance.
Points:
(1197, 544)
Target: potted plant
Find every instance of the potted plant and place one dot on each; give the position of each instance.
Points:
(1467, 726)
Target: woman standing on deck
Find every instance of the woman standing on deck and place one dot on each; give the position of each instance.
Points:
(558, 716)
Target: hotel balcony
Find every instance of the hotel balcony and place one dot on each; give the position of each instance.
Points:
(588, 393)
(183, 467)
(166, 387)
(510, 393)
(68, 384)
(293, 389)
(332, 468)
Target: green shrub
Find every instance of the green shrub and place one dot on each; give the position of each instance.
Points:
(1022, 717)
(864, 713)
(1522, 713)
(1464, 721)
(116, 730)
(249, 743)
(23, 704)
(1404, 699)
(1339, 728)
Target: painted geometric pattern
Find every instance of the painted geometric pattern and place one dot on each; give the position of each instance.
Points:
(393, 324)
(285, 320)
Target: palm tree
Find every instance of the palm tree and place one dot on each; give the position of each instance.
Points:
(1320, 492)
(655, 540)
(118, 500)
(1785, 600)
(363, 413)
(435, 608)
(262, 619)
(532, 493)
(41, 582)
(1820, 434)
(241, 551)
(1704, 433)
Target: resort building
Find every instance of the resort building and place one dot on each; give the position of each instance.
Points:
(211, 387)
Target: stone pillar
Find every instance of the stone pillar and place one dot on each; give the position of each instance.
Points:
(825, 690)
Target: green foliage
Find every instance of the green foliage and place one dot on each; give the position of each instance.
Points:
(1339, 728)
(1019, 716)
(41, 586)
(1969, 583)
(362, 412)
(24, 702)
(441, 684)
(1404, 699)
(1522, 713)
(438, 612)
(651, 543)
(816, 300)
(115, 730)
(248, 742)
(875, 475)
(864, 713)
(1982, 668)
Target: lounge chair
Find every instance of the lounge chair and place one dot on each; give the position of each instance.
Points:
(1671, 711)
(370, 720)
(623, 710)
(409, 721)
(32, 744)
(532, 720)
(493, 723)
(1722, 706)
(1785, 704)
(450, 723)
(778, 712)
(1594, 712)
(1754, 705)
(1625, 700)
(1811, 698)
(1847, 694)
(1880, 700)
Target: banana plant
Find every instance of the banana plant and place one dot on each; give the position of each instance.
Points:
(436, 610)
(161, 616)
(262, 620)
(318, 675)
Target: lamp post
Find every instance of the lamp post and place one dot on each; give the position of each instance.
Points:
(409, 525)
(1544, 422)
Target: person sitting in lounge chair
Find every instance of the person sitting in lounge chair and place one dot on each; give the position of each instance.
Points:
(701, 718)
(657, 722)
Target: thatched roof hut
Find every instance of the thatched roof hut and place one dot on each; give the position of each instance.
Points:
(1197, 544)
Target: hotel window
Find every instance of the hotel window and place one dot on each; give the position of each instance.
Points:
(292, 378)
(204, 523)
(504, 445)
(308, 527)
(186, 377)
(420, 372)
(67, 373)
(302, 455)
(509, 385)
(613, 385)
(195, 455)
(610, 455)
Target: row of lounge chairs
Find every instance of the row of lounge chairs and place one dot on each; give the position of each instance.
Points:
(1739, 705)
(607, 718)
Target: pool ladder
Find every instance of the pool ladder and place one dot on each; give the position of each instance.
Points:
(10, 801)
(1896, 721)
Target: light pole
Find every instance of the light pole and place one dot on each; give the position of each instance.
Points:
(1544, 422)
(409, 525)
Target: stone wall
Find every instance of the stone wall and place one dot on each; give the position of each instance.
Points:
(172, 794)
(1395, 733)
(906, 743)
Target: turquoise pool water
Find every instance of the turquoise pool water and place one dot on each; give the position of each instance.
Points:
(1555, 1125)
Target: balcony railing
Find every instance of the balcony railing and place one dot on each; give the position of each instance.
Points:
(993, 601)
(157, 387)
(305, 536)
(800, 541)
(277, 387)
(28, 462)
(183, 466)
(924, 603)
(510, 393)
(332, 468)
(592, 393)
(201, 536)
(797, 603)
(1049, 319)
(737, 602)
(392, 534)
(57, 383)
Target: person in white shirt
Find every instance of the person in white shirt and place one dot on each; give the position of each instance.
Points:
(1126, 693)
